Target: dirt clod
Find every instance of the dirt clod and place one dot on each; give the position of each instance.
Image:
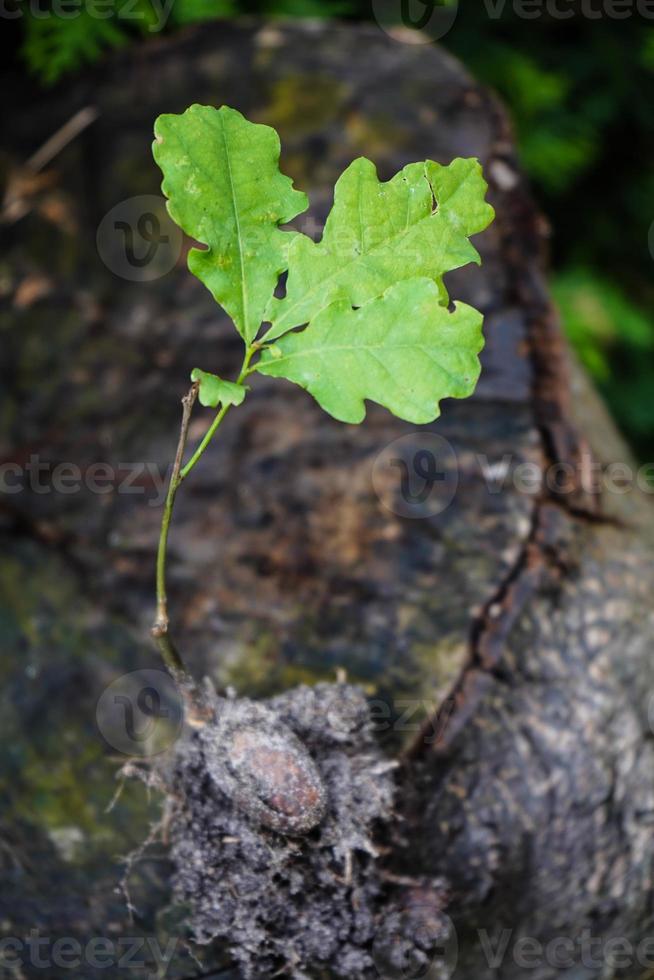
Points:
(276, 808)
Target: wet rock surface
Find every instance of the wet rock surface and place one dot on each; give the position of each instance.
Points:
(504, 639)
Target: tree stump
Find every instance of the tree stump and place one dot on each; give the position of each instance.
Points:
(504, 637)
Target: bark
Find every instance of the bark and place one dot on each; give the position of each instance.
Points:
(515, 626)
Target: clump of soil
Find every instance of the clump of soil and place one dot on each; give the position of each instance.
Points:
(283, 900)
(276, 809)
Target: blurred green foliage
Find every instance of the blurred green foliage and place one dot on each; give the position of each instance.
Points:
(54, 45)
(582, 96)
(614, 338)
(581, 93)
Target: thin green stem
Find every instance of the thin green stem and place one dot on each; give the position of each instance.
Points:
(222, 412)
(160, 629)
(204, 443)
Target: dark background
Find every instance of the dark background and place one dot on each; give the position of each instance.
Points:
(581, 95)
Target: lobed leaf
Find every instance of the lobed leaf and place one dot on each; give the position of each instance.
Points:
(378, 234)
(369, 296)
(225, 189)
(215, 390)
(402, 350)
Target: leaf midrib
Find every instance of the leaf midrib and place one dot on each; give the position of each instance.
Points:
(244, 303)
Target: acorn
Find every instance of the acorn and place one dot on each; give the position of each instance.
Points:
(264, 768)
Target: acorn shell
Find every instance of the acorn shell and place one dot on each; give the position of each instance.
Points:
(284, 789)
(264, 768)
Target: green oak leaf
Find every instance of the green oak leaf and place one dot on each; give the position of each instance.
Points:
(403, 350)
(415, 225)
(214, 390)
(225, 189)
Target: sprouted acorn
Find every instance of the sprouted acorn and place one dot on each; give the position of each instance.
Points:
(264, 768)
